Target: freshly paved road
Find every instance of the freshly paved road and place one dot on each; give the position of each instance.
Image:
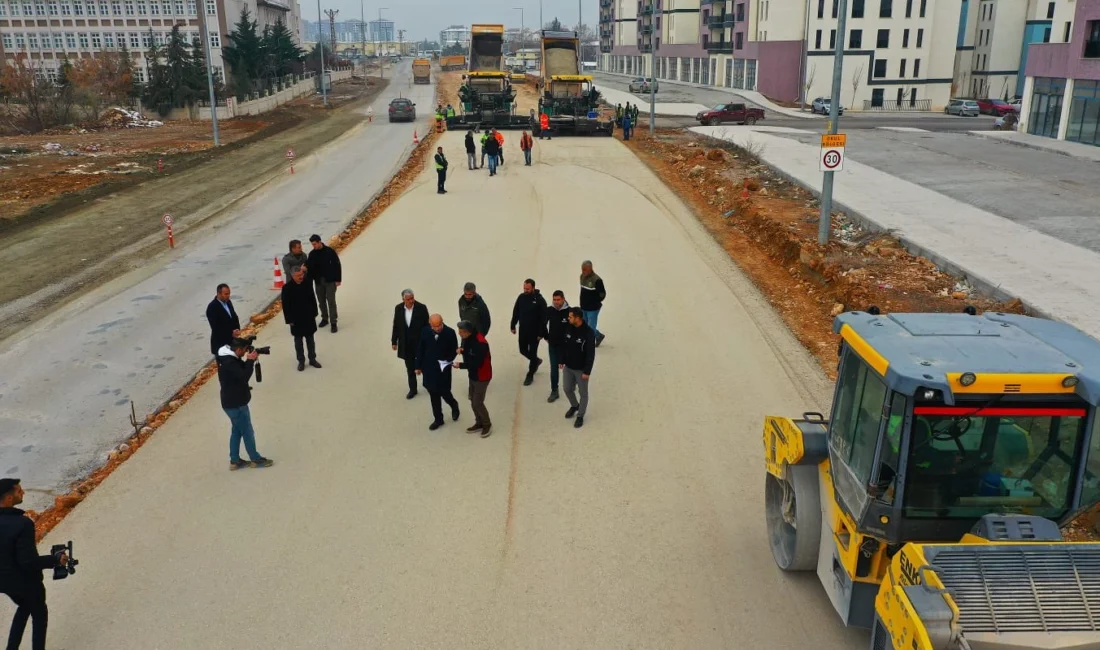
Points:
(644, 529)
(68, 381)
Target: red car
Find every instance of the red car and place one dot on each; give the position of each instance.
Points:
(998, 107)
(738, 113)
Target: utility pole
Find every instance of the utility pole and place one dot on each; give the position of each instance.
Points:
(825, 220)
(205, 36)
(542, 25)
(363, 36)
(331, 13)
(401, 42)
(652, 76)
(522, 33)
(321, 49)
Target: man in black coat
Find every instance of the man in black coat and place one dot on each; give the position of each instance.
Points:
(236, 363)
(300, 312)
(529, 313)
(324, 270)
(21, 567)
(224, 324)
(437, 350)
(441, 166)
(409, 320)
(557, 320)
(471, 150)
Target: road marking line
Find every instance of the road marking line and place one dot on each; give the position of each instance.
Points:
(902, 129)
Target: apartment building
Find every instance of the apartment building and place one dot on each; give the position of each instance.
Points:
(48, 31)
(1061, 95)
(455, 35)
(992, 45)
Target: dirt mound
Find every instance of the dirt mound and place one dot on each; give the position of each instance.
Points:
(121, 118)
(561, 61)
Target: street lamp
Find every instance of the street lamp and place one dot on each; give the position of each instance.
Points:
(378, 48)
(522, 33)
(321, 49)
(204, 34)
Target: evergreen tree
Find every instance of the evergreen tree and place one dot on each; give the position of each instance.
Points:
(179, 69)
(244, 53)
(157, 92)
(284, 55)
(126, 72)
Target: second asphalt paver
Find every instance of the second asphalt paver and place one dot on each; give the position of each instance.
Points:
(644, 529)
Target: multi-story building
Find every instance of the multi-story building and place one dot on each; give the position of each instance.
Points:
(992, 45)
(381, 30)
(455, 35)
(49, 31)
(1061, 96)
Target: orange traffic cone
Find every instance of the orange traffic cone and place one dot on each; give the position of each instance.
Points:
(278, 283)
(416, 139)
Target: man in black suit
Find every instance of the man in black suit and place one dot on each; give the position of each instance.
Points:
(224, 324)
(409, 320)
(437, 350)
(300, 312)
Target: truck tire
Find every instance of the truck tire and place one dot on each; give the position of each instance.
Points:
(793, 509)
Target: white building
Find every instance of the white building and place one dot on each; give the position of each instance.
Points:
(455, 35)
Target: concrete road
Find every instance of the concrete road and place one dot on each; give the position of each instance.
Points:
(1049, 192)
(669, 92)
(644, 529)
(68, 381)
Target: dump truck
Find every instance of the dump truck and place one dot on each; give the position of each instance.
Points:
(422, 71)
(487, 98)
(453, 62)
(929, 503)
(569, 98)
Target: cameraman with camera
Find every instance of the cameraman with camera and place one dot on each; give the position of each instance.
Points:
(21, 567)
(236, 363)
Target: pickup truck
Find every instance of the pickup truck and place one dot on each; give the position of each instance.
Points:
(730, 113)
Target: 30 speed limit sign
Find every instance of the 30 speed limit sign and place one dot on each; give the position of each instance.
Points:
(831, 158)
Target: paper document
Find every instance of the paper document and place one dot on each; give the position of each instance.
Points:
(443, 365)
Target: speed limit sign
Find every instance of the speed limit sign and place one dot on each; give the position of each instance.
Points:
(167, 219)
(831, 158)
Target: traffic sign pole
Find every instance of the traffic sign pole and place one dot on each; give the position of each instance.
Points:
(825, 220)
(290, 157)
(167, 221)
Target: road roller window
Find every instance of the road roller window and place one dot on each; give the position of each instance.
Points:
(969, 461)
(1090, 492)
(854, 428)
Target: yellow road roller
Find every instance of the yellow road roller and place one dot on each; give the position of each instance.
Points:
(930, 501)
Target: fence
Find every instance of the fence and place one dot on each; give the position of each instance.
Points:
(886, 106)
(279, 93)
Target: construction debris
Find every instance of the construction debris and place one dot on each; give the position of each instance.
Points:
(116, 116)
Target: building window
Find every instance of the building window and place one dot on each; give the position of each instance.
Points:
(109, 40)
(916, 68)
(901, 69)
(78, 8)
(1092, 39)
(191, 8)
(20, 42)
(179, 7)
(817, 40)
(820, 8)
(1050, 10)
(3, 8)
(53, 7)
(738, 41)
(215, 40)
(923, 7)
(166, 7)
(855, 39)
(1084, 113)
(908, 8)
(905, 38)
(139, 75)
(885, 8)
(901, 94)
(129, 4)
(857, 8)
(39, 9)
(6, 40)
(32, 41)
(832, 39)
(58, 41)
(1065, 32)
(920, 37)
(83, 38)
(876, 97)
(146, 39)
(880, 68)
(883, 40)
(135, 40)
(97, 40)
(1046, 106)
(70, 40)
(1046, 35)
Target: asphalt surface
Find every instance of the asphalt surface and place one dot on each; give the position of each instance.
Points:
(69, 379)
(1054, 194)
(645, 529)
(668, 92)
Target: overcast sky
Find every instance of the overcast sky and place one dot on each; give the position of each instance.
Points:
(425, 18)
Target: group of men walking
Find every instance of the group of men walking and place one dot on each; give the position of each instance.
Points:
(430, 349)
(626, 118)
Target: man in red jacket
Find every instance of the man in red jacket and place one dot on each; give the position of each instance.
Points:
(478, 362)
(525, 144)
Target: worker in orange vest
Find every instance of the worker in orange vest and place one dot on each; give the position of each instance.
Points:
(500, 140)
(544, 126)
(525, 144)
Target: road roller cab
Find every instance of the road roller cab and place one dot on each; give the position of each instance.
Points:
(929, 502)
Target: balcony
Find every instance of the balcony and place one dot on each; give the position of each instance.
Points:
(714, 21)
(645, 47)
(605, 4)
(645, 9)
(605, 49)
(646, 29)
(714, 2)
(722, 47)
(727, 20)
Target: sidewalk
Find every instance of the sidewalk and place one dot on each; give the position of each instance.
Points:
(613, 97)
(998, 256)
(1072, 149)
(750, 96)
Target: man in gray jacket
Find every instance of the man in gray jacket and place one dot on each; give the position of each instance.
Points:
(472, 308)
(293, 259)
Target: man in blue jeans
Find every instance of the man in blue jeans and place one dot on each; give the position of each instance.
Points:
(235, 366)
(593, 294)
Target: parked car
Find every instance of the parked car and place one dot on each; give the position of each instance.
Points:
(995, 107)
(738, 113)
(1016, 104)
(641, 85)
(963, 107)
(823, 105)
(402, 110)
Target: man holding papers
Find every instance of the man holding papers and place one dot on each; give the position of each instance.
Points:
(435, 353)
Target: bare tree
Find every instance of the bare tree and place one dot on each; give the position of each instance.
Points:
(37, 102)
(857, 78)
(811, 72)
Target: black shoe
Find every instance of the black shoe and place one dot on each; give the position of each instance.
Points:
(553, 397)
(538, 364)
(314, 363)
(262, 462)
(235, 465)
(571, 412)
(324, 321)
(475, 428)
(301, 366)
(335, 329)
(579, 422)
(435, 425)
(411, 394)
(529, 379)
(486, 430)
(454, 413)
(599, 339)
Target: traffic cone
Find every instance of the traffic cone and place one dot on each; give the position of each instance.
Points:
(416, 139)
(278, 283)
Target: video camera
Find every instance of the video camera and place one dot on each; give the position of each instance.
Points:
(62, 571)
(264, 350)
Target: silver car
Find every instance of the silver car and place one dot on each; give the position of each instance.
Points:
(641, 85)
(823, 105)
(963, 107)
